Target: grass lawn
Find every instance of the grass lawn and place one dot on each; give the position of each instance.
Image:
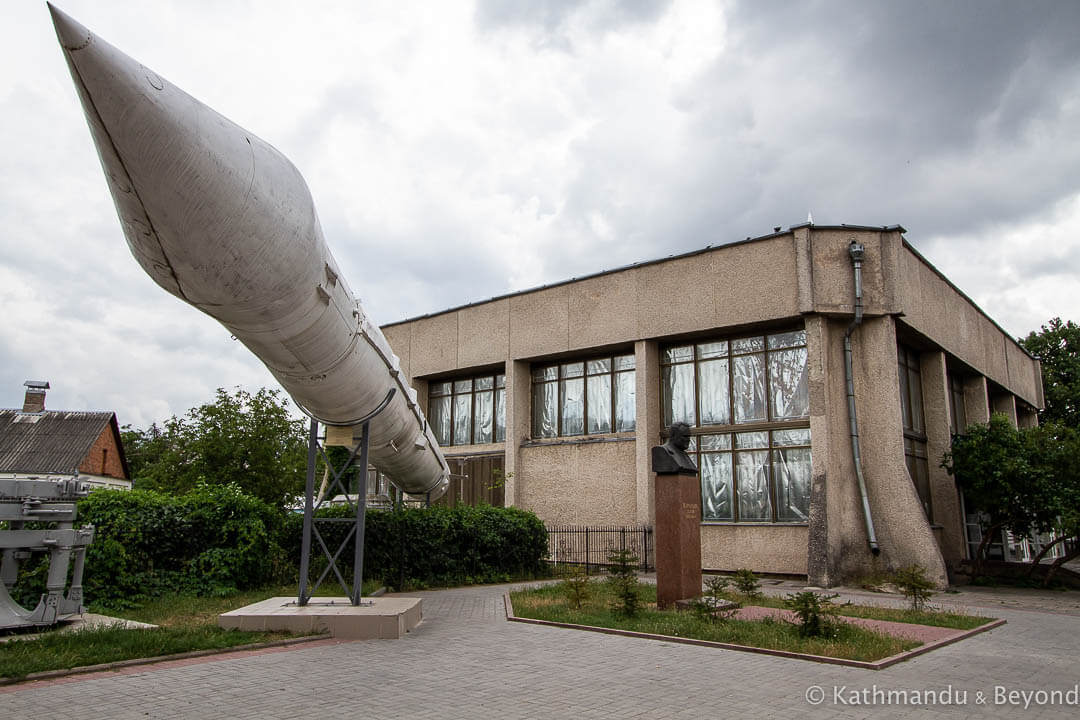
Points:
(91, 646)
(956, 621)
(849, 641)
(186, 623)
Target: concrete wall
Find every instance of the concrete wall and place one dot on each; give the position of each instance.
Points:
(715, 288)
(838, 546)
(947, 520)
(762, 548)
(903, 533)
(935, 308)
(648, 426)
(580, 483)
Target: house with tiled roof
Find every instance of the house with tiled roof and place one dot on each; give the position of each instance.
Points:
(35, 442)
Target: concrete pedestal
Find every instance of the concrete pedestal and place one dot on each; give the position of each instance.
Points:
(379, 617)
(678, 537)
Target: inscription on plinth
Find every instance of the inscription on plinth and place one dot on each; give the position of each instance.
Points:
(678, 537)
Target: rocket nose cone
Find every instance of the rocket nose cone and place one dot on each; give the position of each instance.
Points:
(71, 34)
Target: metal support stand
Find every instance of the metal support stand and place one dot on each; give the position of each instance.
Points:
(311, 523)
(51, 506)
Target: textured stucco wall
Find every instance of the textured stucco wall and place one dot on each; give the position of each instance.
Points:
(647, 435)
(1005, 404)
(589, 483)
(944, 495)
(518, 419)
(934, 308)
(433, 346)
(762, 548)
(833, 276)
(400, 339)
(903, 532)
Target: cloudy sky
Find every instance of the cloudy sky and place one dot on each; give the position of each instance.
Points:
(458, 151)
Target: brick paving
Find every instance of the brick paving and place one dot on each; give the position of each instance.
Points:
(466, 661)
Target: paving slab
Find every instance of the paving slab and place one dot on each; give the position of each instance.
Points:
(466, 661)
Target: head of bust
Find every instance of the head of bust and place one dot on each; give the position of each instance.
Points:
(679, 436)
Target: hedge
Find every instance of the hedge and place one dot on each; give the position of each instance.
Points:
(216, 540)
(420, 547)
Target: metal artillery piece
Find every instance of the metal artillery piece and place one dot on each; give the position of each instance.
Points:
(48, 504)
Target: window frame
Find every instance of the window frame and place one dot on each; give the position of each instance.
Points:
(560, 379)
(498, 385)
(957, 409)
(732, 428)
(767, 423)
(916, 444)
(771, 448)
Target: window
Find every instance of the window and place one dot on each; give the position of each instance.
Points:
(911, 411)
(754, 476)
(584, 397)
(737, 382)
(750, 394)
(957, 413)
(468, 412)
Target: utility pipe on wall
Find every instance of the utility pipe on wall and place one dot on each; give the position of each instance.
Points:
(857, 251)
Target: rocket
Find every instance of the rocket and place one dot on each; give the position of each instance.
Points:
(225, 222)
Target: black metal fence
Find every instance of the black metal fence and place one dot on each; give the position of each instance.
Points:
(590, 546)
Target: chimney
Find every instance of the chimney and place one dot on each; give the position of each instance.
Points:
(35, 396)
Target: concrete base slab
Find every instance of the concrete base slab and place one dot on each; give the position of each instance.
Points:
(381, 617)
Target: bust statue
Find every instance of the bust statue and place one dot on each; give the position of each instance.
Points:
(671, 457)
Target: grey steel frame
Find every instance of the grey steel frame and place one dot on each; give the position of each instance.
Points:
(358, 521)
(51, 503)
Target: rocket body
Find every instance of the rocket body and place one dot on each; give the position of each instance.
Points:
(223, 221)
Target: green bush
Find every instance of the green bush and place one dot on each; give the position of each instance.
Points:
(816, 613)
(712, 606)
(214, 540)
(917, 588)
(622, 577)
(747, 583)
(576, 588)
(412, 548)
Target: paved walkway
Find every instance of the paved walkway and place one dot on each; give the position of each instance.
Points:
(467, 661)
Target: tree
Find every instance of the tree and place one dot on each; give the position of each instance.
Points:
(1060, 450)
(1010, 475)
(1057, 347)
(243, 438)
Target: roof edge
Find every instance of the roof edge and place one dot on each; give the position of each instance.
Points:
(646, 263)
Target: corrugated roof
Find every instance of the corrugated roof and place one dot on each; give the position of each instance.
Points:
(53, 441)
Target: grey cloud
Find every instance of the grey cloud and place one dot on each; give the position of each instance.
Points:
(922, 113)
(551, 15)
(398, 276)
(547, 14)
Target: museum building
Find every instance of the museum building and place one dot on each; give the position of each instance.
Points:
(562, 390)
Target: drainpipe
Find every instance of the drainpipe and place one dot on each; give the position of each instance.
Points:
(856, 251)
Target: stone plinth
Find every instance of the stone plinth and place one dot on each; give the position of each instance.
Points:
(380, 617)
(678, 537)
